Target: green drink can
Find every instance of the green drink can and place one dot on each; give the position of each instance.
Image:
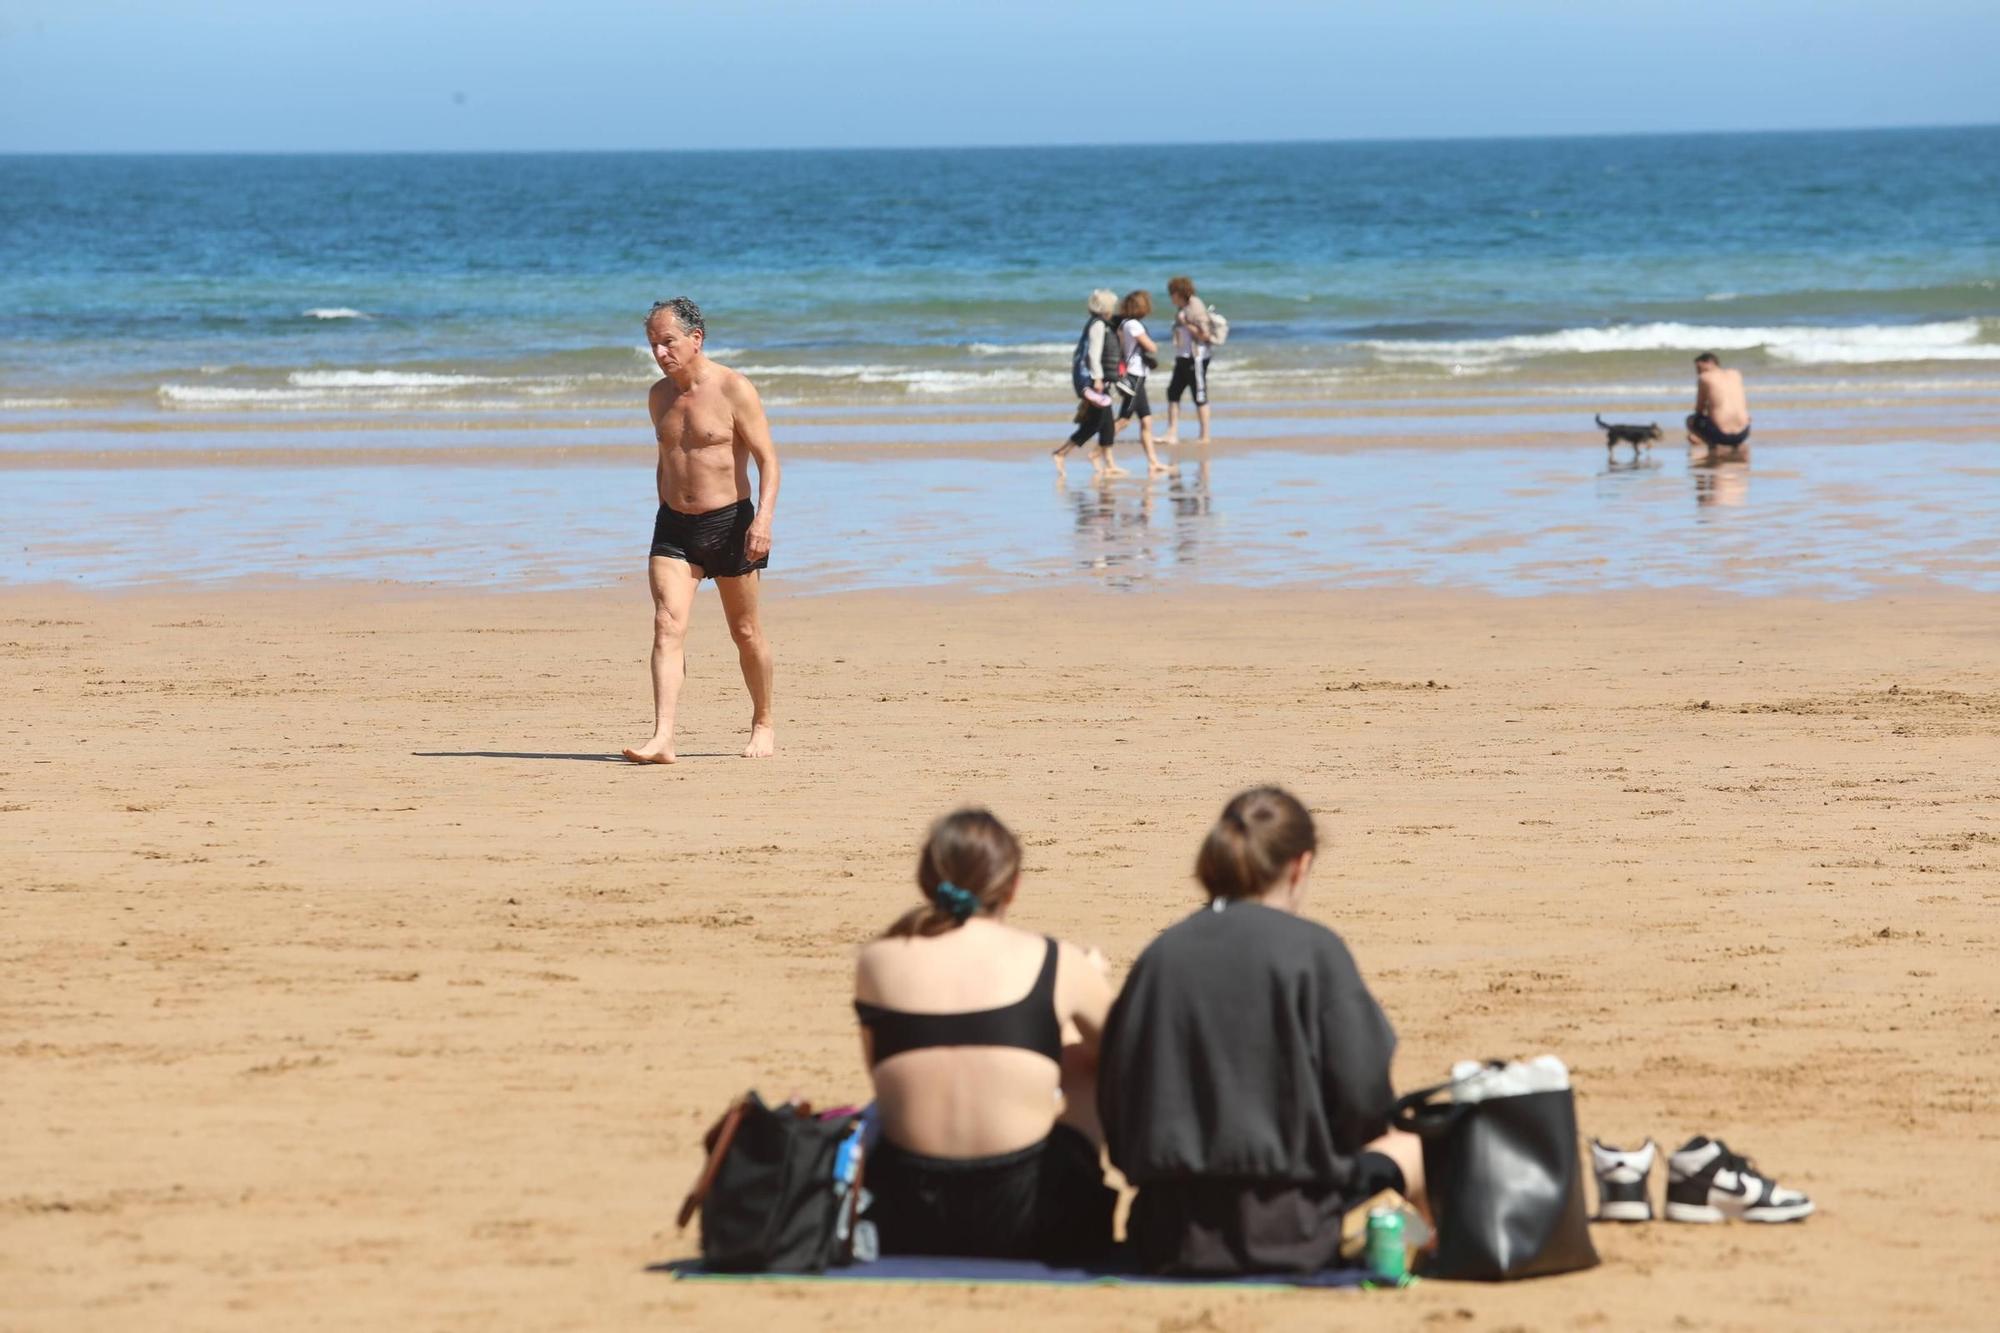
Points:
(1388, 1257)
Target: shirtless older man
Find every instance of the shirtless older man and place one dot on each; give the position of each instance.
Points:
(1721, 417)
(710, 425)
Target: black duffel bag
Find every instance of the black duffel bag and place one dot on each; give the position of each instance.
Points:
(769, 1197)
(1505, 1181)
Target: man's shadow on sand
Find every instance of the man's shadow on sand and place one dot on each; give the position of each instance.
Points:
(531, 754)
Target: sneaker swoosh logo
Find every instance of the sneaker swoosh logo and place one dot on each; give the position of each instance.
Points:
(1742, 1190)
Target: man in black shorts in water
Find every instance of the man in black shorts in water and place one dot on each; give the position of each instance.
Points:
(710, 425)
(1721, 418)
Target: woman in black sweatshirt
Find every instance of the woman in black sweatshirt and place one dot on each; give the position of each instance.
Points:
(1244, 1079)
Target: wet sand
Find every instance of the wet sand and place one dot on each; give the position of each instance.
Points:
(106, 449)
(350, 982)
(1793, 517)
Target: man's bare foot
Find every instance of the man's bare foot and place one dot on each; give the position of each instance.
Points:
(659, 750)
(763, 741)
(1170, 439)
(1061, 460)
(1156, 469)
(1113, 470)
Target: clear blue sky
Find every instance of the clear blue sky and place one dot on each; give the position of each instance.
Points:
(284, 75)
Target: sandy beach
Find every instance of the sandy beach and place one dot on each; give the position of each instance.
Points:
(350, 982)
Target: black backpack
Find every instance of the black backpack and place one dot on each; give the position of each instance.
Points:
(773, 1196)
(1081, 371)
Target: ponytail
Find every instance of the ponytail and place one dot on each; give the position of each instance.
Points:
(968, 867)
(1259, 833)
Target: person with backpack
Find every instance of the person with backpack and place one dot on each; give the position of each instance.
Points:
(1094, 367)
(1197, 332)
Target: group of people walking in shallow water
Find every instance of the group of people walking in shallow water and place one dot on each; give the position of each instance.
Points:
(1110, 368)
(1239, 1081)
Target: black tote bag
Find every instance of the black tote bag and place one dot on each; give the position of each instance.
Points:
(1505, 1182)
(767, 1195)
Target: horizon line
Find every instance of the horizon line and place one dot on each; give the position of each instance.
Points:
(1006, 147)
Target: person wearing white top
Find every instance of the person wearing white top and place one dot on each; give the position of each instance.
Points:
(1193, 336)
(1139, 349)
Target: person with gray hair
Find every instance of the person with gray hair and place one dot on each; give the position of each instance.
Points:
(709, 426)
(1093, 368)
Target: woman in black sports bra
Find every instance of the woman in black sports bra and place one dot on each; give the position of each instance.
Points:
(989, 1133)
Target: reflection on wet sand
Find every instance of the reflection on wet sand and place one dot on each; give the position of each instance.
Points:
(1192, 506)
(1721, 479)
(1829, 518)
(1115, 523)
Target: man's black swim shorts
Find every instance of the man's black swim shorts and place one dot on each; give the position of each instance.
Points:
(1705, 430)
(712, 543)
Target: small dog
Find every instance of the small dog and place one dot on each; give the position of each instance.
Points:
(1616, 434)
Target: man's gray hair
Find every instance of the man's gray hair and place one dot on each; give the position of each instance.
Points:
(685, 312)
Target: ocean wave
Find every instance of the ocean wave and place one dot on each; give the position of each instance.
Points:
(384, 379)
(217, 395)
(334, 312)
(1956, 339)
(961, 381)
(918, 379)
(34, 404)
(395, 388)
(830, 371)
(720, 351)
(332, 400)
(1020, 349)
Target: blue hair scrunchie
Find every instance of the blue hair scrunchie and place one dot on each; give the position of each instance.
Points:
(961, 904)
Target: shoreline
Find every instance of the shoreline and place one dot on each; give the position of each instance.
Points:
(1027, 449)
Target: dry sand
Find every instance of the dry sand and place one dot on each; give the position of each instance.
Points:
(344, 987)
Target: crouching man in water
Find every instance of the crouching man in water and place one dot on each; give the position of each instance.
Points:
(710, 424)
(1721, 418)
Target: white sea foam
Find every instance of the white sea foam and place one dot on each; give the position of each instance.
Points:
(919, 379)
(960, 381)
(308, 395)
(215, 395)
(720, 351)
(33, 404)
(1955, 341)
(831, 371)
(1020, 349)
(335, 312)
(1948, 340)
(383, 379)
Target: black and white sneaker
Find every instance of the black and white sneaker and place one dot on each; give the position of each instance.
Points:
(1708, 1183)
(1621, 1182)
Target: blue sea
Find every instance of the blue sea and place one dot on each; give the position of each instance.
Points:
(317, 283)
(166, 309)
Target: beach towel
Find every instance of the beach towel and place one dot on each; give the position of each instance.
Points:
(929, 1268)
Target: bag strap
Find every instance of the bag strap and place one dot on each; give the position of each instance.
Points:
(1415, 1112)
(719, 1139)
